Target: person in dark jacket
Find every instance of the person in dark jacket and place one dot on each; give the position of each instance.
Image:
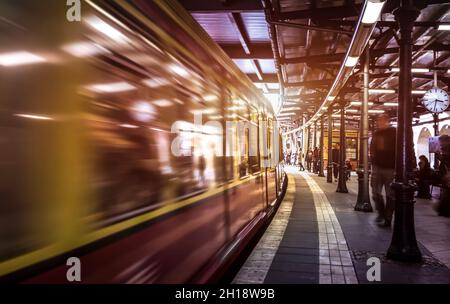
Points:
(316, 156)
(382, 153)
(348, 169)
(443, 207)
(335, 160)
(423, 179)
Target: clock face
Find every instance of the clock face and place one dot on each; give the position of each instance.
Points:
(435, 100)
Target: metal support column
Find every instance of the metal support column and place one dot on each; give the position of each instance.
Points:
(321, 148)
(308, 147)
(404, 244)
(363, 200)
(342, 184)
(330, 145)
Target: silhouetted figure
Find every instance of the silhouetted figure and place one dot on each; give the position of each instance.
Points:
(309, 159)
(316, 157)
(443, 207)
(348, 169)
(335, 160)
(382, 152)
(424, 175)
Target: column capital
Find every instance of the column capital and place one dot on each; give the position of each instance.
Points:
(405, 16)
(342, 103)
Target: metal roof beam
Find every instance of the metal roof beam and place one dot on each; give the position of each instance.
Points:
(258, 51)
(322, 13)
(316, 59)
(309, 83)
(217, 6)
(271, 78)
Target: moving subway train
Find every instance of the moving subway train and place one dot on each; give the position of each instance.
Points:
(102, 154)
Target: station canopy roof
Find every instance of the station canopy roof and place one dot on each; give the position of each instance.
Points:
(293, 50)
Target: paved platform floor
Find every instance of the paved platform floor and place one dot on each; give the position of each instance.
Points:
(317, 238)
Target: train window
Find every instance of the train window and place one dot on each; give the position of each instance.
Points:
(253, 142)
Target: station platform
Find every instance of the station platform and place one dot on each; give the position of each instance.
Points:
(317, 238)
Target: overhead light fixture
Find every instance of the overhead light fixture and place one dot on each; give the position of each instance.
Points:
(418, 92)
(289, 103)
(33, 116)
(358, 103)
(444, 27)
(162, 103)
(381, 91)
(414, 70)
(19, 58)
(331, 98)
(372, 11)
(113, 87)
(290, 109)
(420, 70)
(351, 111)
(207, 111)
(390, 104)
(351, 61)
(286, 114)
(376, 111)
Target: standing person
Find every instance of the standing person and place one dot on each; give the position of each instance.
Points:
(335, 160)
(423, 179)
(316, 160)
(348, 169)
(382, 153)
(310, 159)
(443, 207)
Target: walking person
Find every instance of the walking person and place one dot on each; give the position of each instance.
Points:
(382, 152)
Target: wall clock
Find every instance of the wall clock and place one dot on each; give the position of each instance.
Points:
(435, 100)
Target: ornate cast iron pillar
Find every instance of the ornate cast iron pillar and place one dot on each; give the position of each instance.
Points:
(342, 185)
(321, 148)
(363, 200)
(330, 145)
(436, 133)
(404, 244)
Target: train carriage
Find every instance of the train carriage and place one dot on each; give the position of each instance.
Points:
(113, 148)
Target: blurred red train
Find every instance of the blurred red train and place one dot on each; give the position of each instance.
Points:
(87, 118)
